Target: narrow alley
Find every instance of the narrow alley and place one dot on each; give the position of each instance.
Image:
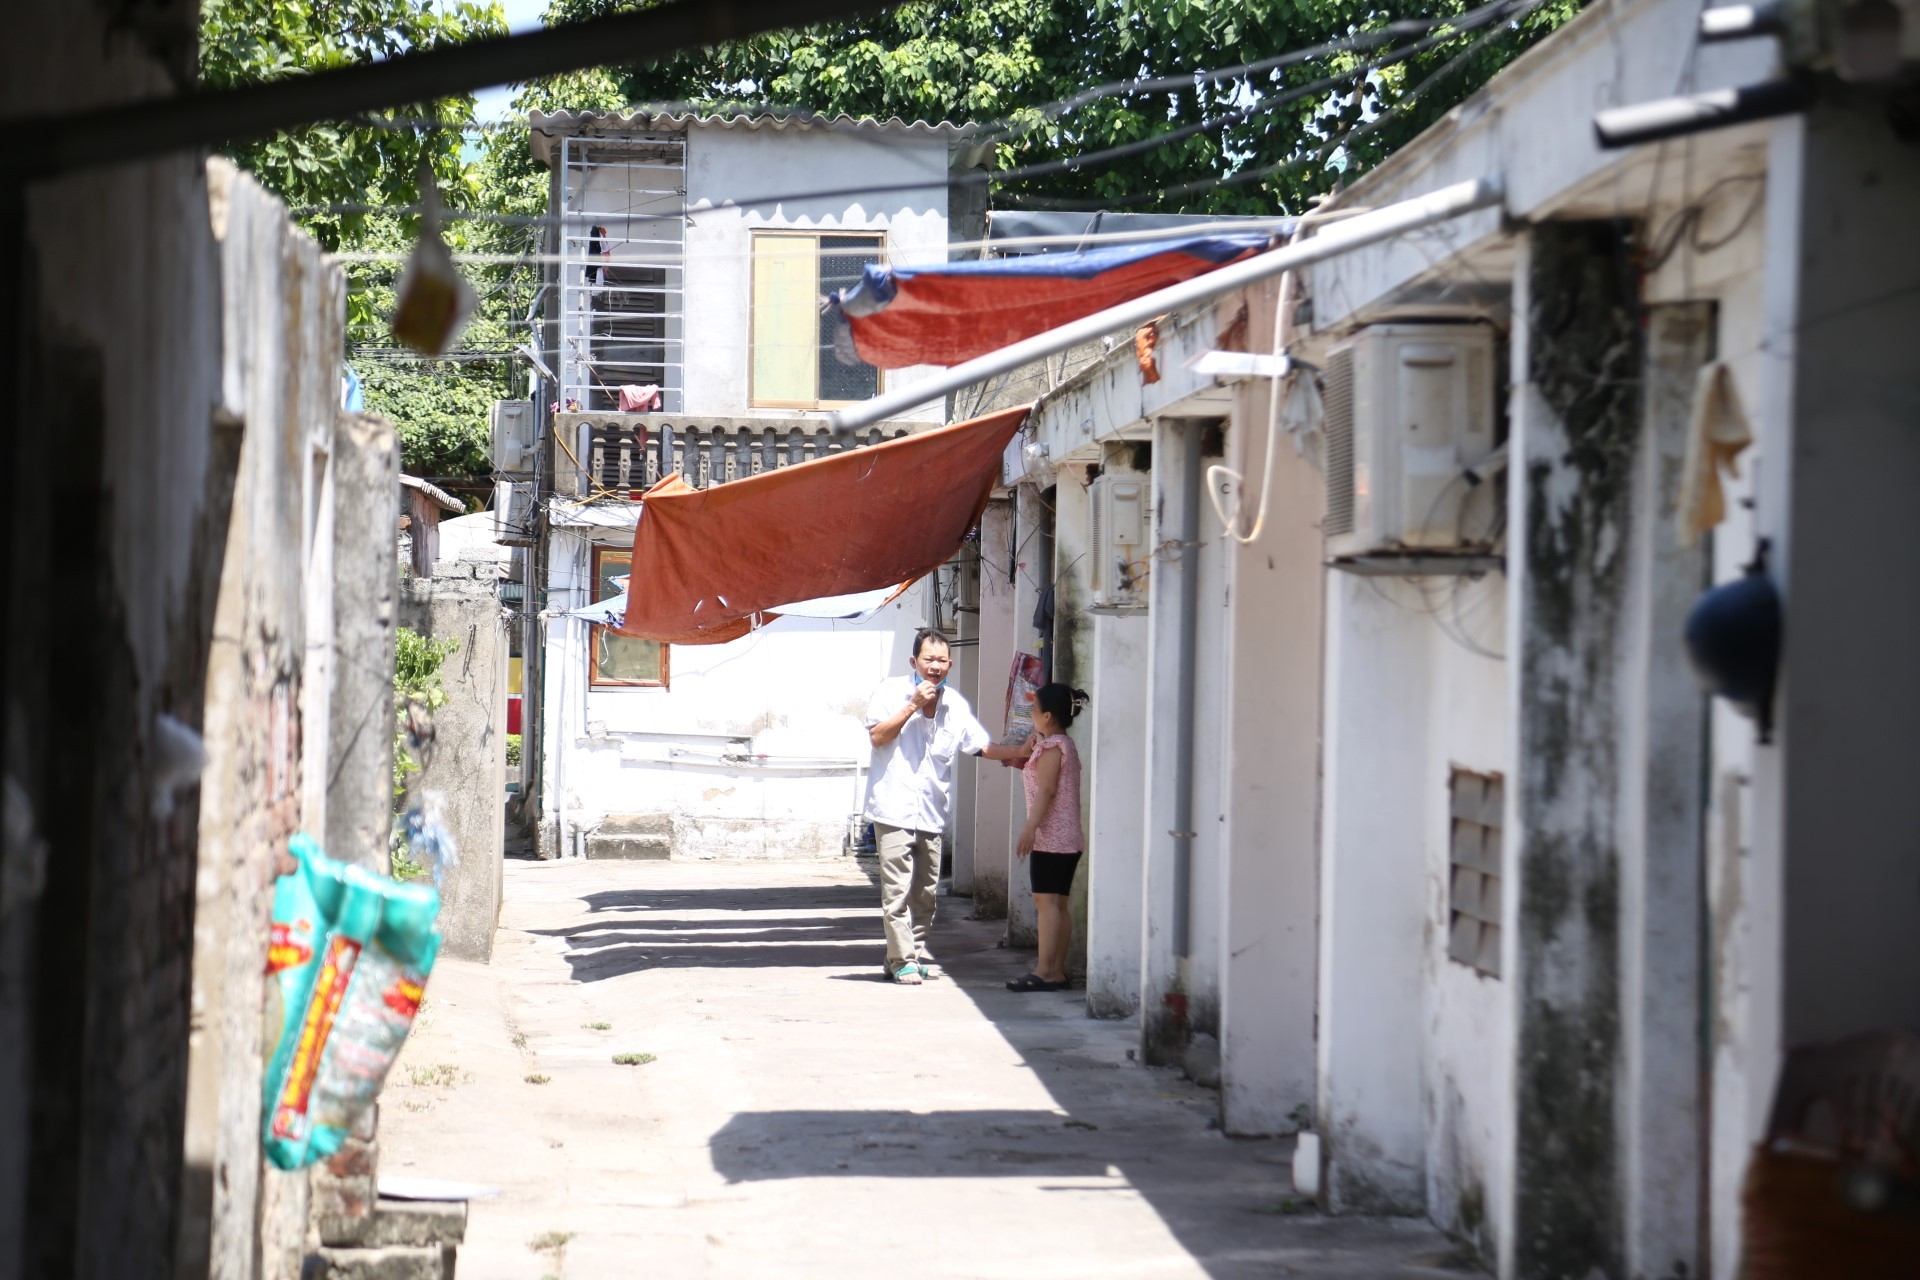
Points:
(793, 1115)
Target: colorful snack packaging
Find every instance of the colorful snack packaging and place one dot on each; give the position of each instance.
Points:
(347, 965)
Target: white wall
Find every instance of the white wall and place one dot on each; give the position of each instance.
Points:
(994, 788)
(1468, 1023)
(1117, 767)
(1211, 795)
(1374, 904)
(1270, 906)
(796, 691)
(726, 167)
(1413, 1122)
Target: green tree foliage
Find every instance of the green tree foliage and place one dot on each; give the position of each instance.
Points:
(439, 408)
(367, 161)
(997, 62)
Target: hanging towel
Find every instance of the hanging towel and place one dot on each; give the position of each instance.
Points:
(640, 399)
(1716, 436)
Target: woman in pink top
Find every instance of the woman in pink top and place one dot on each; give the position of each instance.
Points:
(1052, 840)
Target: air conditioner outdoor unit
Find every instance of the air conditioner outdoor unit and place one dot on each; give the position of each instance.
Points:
(512, 422)
(513, 513)
(1409, 413)
(1120, 555)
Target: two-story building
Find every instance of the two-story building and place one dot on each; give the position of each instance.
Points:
(681, 331)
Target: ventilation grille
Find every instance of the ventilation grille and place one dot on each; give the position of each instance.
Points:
(1339, 442)
(1096, 577)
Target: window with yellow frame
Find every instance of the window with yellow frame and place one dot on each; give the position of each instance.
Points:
(793, 365)
(616, 660)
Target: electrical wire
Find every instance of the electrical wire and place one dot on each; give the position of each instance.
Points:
(1517, 10)
(1454, 27)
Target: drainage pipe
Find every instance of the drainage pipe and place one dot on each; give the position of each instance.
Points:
(1331, 241)
(1187, 626)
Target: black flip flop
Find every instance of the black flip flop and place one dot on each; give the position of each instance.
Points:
(1033, 982)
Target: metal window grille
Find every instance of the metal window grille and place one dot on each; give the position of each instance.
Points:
(1474, 869)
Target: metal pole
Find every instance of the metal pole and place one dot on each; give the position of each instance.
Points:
(1338, 238)
(43, 146)
(1185, 672)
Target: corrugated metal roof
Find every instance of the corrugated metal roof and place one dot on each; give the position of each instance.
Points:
(440, 496)
(547, 126)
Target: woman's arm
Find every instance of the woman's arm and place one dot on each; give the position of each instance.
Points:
(1046, 773)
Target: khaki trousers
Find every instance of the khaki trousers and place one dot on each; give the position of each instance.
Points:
(909, 874)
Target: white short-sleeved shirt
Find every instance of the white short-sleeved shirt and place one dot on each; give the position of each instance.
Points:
(911, 783)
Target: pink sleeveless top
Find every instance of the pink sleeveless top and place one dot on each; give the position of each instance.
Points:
(1061, 832)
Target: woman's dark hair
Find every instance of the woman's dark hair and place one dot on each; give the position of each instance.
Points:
(1061, 701)
(930, 635)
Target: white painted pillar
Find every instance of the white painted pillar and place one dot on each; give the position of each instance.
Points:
(1373, 900)
(1176, 510)
(1662, 806)
(1072, 645)
(1117, 777)
(994, 783)
(1033, 539)
(966, 678)
(1270, 904)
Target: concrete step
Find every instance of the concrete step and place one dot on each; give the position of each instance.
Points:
(424, 1262)
(632, 847)
(399, 1223)
(636, 824)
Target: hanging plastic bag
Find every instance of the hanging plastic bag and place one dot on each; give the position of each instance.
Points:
(347, 966)
(432, 301)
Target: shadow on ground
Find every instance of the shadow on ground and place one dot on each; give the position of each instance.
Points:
(1150, 1131)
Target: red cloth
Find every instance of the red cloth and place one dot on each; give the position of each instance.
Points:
(708, 562)
(945, 319)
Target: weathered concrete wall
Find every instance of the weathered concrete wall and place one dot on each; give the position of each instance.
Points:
(1576, 425)
(468, 760)
(1177, 505)
(112, 495)
(1662, 803)
(168, 393)
(282, 307)
(1033, 539)
(994, 786)
(359, 778)
(1073, 656)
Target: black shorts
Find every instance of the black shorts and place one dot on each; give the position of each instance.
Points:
(1053, 872)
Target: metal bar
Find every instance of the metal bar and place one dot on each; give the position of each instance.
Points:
(43, 146)
(1699, 112)
(1336, 239)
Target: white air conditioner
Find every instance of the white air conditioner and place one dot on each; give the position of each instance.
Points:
(513, 513)
(513, 438)
(1120, 554)
(1409, 413)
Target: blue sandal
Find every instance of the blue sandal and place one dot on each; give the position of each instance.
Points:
(908, 975)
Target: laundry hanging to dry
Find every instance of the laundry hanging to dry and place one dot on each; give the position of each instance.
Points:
(710, 564)
(953, 311)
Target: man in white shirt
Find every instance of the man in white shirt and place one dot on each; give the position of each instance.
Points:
(918, 729)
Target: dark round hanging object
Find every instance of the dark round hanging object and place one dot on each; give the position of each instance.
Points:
(1733, 640)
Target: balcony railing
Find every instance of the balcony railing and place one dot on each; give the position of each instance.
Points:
(626, 453)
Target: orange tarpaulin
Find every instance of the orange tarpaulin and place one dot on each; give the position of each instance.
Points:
(708, 562)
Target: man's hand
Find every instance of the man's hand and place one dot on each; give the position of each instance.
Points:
(925, 694)
(1025, 846)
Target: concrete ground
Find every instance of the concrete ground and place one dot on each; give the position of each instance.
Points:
(802, 1117)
